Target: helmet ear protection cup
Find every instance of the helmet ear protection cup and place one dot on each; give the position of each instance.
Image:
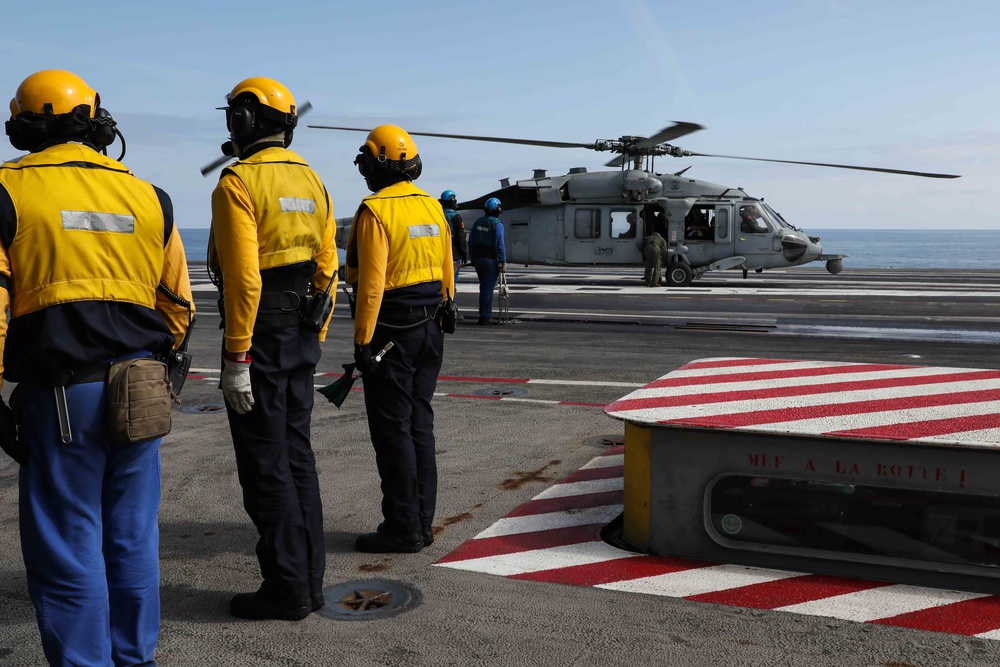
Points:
(241, 121)
(414, 171)
(105, 127)
(365, 162)
(23, 131)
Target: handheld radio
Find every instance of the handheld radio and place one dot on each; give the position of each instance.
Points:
(179, 360)
(318, 308)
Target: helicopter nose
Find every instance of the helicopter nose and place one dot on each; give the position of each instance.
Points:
(813, 250)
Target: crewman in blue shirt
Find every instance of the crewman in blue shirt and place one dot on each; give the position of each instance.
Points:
(459, 244)
(489, 256)
(92, 270)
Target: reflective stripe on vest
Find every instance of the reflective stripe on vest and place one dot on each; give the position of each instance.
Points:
(87, 230)
(415, 227)
(285, 193)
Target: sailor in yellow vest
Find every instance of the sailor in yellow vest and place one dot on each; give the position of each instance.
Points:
(272, 250)
(88, 256)
(399, 259)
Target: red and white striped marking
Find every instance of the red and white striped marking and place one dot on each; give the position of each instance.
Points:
(830, 399)
(555, 538)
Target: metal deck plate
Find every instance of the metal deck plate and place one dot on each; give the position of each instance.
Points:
(369, 599)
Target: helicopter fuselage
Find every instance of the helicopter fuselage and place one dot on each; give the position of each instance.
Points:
(601, 218)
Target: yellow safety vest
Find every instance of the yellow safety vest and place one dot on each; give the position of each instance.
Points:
(417, 233)
(280, 182)
(87, 230)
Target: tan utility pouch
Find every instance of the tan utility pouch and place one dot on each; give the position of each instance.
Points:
(139, 400)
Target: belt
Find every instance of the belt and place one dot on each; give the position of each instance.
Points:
(279, 310)
(88, 373)
(404, 317)
(287, 302)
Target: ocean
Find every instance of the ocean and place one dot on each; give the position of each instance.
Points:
(865, 248)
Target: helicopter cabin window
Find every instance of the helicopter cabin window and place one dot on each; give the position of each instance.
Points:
(722, 222)
(699, 224)
(587, 223)
(624, 224)
(753, 220)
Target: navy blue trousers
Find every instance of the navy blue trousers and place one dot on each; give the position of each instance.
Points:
(88, 513)
(398, 397)
(276, 465)
(488, 271)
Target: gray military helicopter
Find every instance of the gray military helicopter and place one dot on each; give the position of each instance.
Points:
(600, 218)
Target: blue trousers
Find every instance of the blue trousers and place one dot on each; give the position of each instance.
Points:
(488, 271)
(398, 397)
(88, 512)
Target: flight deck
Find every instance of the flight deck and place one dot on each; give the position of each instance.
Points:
(528, 460)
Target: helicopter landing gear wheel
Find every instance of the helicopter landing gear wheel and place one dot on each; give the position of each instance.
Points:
(745, 274)
(679, 274)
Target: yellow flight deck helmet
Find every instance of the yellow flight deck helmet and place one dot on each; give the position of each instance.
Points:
(268, 92)
(259, 107)
(388, 152)
(54, 92)
(54, 106)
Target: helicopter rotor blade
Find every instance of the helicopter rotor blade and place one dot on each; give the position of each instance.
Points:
(617, 162)
(219, 161)
(215, 164)
(469, 137)
(835, 166)
(678, 129)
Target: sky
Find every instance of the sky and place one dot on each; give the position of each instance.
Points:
(910, 85)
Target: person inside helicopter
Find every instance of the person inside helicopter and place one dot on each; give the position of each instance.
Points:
(697, 226)
(654, 220)
(751, 221)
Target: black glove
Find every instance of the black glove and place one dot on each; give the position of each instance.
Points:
(8, 435)
(364, 359)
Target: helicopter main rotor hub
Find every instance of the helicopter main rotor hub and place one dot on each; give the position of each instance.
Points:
(632, 147)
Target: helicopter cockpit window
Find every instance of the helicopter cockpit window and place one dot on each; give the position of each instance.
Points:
(699, 224)
(587, 223)
(777, 218)
(753, 220)
(624, 224)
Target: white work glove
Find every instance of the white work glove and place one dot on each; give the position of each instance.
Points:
(236, 385)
